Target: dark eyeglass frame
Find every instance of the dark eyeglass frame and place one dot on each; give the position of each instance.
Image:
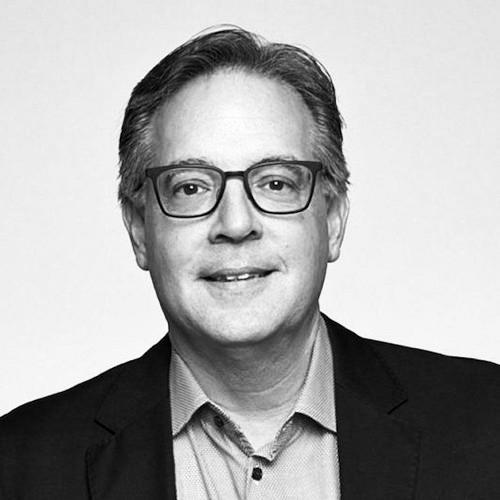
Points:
(154, 172)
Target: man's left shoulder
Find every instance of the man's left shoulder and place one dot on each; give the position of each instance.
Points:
(442, 392)
(425, 366)
(448, 388)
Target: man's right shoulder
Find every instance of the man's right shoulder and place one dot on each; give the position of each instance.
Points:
(47, 440)
(71, 409)
(75, 407)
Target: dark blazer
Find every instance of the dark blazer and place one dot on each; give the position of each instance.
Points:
(411, 425)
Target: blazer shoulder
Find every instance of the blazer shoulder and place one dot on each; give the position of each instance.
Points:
(449, 396)
(47, 440)
(411, 365)
(67, 414)
(425, 365)
(60, 409)
(448, 393)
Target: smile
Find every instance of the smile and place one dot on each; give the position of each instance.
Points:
(238, 277)
(231, 276)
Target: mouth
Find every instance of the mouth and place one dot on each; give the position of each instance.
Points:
(236, 275)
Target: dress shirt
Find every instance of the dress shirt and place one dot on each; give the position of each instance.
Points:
(214, 460)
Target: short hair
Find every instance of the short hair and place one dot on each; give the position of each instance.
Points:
(230, 49)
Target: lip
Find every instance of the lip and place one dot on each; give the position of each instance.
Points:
(236, 275)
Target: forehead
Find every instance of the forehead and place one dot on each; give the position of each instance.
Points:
(233, 117)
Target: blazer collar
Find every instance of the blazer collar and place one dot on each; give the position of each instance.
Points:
(136, 461)
(140, 385)
(378, 453)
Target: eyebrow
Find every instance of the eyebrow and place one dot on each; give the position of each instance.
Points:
(191, 162)
(270, 159)
(187, 162)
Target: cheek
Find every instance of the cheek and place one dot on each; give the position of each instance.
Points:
(306, 247)
(168, 249)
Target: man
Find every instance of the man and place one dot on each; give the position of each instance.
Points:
(233, 188)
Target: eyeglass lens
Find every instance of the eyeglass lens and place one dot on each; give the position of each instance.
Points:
(193, 190)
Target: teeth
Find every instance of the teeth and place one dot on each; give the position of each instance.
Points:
(245, 276)
(237, 277)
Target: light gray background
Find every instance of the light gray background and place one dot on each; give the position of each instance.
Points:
(418, 86)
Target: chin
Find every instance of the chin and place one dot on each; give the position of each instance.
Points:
(229, 329)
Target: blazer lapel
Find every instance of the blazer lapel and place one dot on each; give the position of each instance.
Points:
(136, 461)
(378, 453)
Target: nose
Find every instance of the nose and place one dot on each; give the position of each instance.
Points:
(235, 219)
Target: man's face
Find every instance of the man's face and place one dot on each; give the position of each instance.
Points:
(234, 120)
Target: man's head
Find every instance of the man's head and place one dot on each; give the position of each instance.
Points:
(237, 274)
(234, 49)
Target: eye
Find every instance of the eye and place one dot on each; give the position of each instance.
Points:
(276, 185)
(189, 189)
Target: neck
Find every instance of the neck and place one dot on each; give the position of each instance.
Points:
(258, 381)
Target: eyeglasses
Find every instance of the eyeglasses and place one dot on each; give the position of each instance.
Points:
(279, 187)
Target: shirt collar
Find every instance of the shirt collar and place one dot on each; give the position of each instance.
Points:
(316, 399)
(186, 394)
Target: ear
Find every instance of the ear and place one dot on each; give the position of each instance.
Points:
(133, 218)
(338, 210)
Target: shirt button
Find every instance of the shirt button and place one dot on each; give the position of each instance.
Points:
(218, 421)
(257, 473)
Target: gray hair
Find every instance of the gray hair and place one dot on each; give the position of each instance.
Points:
(238, 49)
